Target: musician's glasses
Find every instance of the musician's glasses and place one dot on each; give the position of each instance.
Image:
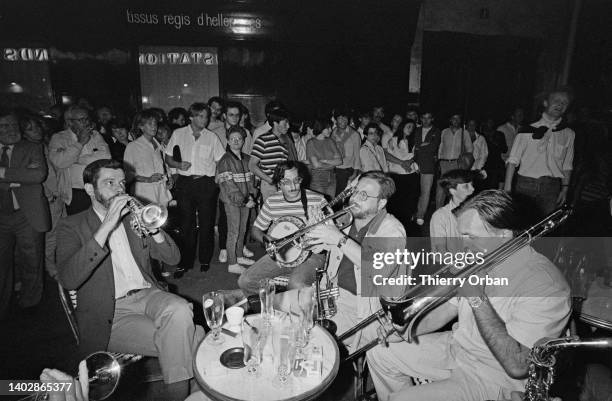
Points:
(362, 196)
(287, 181)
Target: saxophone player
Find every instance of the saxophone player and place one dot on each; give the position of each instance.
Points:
(486, 353)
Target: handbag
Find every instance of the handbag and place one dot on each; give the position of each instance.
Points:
(466, 159)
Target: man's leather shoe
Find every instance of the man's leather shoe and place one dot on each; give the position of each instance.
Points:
(204, 267)
(179, 272)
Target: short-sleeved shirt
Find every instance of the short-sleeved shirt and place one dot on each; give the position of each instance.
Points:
(203, 153)
(322, 149)
(535, 304)
(443, 229)
(270, 152)
(277, 206)
(548, 156)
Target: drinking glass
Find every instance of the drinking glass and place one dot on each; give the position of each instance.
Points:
(267, 290)
(306, 303)
(283, 342)
(254, 336)
(213, 312)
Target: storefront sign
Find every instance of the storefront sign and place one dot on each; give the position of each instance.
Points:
(205, 58)
(25, 54)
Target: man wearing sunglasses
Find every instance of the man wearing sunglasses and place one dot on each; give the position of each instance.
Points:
(290, 200)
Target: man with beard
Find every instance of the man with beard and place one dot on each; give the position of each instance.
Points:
(290, 200)
(121, 306)
(373, 230)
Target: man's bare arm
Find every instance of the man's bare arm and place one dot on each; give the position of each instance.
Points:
(512, 355)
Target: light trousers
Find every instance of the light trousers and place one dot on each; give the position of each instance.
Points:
(237, 219)
(160, 324)
(434, 359)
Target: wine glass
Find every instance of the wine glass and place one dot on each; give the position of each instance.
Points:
(213, 312)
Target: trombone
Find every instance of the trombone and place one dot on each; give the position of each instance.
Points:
(419, 300)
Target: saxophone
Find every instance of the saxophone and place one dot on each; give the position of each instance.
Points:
(542, 362)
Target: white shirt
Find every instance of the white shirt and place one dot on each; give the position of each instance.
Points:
(481, 152)
(535, 304)
(402, 152)
(450, 144)
(203, 153)
(145, 158)
(127, 275)
(509, 133)
(443, 229)
(549, 156)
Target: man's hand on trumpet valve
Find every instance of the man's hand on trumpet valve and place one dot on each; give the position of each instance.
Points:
(389, 332)
(116, 210)
(325, 236)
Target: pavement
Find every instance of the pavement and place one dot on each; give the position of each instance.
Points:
(42, 338)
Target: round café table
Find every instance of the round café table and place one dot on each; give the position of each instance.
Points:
(224, 384)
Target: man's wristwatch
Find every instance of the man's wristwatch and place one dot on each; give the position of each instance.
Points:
(342, 242)
(475, 302)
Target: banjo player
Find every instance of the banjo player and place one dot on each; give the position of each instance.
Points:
(294, 206)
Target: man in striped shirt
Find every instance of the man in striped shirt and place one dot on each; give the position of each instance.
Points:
(271, 149)
(291, 200)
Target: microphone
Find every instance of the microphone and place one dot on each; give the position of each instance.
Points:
(176, 154)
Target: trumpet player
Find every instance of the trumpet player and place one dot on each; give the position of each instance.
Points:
(120, 305)
(486, 353)
(373, 228)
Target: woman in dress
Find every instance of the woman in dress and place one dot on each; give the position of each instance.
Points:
(144, 162)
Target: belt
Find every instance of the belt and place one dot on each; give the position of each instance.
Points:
(448, 160)
(130, 293)
(195, 177)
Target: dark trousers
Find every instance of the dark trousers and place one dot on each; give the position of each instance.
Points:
(403, 203)
(17, 236)
(222, 226)
(342, 177)
(80, 202)
(541, 193)
(197, 195)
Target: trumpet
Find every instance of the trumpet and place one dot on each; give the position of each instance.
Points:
(419, 300)
(296, 238)
(288, 249)
(104, 371)
(146, 219)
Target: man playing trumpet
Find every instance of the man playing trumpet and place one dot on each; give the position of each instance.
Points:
(373, 229)
(120, 305)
